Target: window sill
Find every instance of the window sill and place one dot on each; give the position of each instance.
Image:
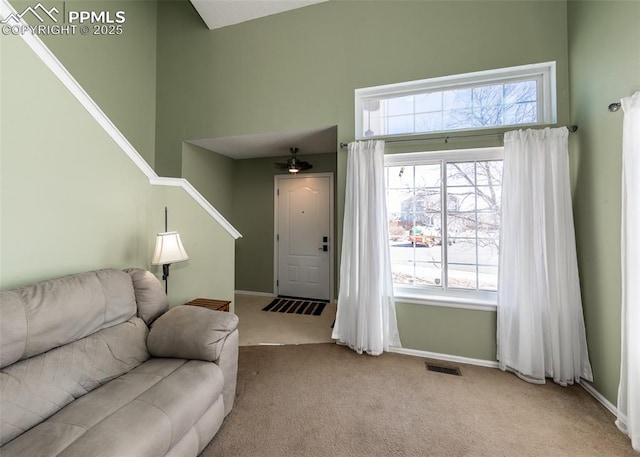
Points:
(475, 304)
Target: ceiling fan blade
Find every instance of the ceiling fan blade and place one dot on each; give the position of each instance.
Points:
(293, 163)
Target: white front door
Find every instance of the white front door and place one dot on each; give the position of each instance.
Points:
(304, 236)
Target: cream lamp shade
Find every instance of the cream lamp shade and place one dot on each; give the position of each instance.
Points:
(169, 249)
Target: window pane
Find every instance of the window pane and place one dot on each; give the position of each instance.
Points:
(457, 119)
(429, 122)
(489, 173)
(489, 224)
(523, 91)
(487, 95)
(462, 276)
(371, 105)
(461, 225)
(486, 116)
(399, 124)
(427, 200)
(461, 173)
(463, 251)
(400, 105)
(400, 177)
(430, 102)
(471, 235)
(402, 273)
(456, 99)
(430, 254)
(423, 233)
(461, 199)
(488, 198)
(397, 229)
(484, 100)
(488, 252)
(400, 201)
(429, 274)
(372, 120)
(488, 278)
(522, 113)
(428, 175)
(402, 262)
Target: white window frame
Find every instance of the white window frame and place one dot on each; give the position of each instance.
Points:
(456, 298)
(543, 73)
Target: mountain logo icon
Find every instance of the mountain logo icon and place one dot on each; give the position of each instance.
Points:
(33, 10)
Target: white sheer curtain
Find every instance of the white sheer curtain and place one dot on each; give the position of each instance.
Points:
(629, 389)
(366, 318)
(540, 322)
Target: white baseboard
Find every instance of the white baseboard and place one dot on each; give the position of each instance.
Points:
(598, 396)
(257, 294)
(445, 357)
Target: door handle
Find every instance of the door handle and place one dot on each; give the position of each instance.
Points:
(324, 248)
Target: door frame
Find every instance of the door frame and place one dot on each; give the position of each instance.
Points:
(332, 236)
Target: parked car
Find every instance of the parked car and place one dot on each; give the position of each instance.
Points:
(426, 236)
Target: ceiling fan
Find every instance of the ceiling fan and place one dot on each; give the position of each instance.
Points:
(293, 165)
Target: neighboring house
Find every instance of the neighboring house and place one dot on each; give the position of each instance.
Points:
(167, 78)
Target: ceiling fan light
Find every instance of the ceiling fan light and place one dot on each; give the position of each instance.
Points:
(294, 169)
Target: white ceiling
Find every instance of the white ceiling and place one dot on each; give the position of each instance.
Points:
(221, 13)
(273, 144)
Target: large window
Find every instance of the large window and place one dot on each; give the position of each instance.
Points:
(523, 95)
(444, 221)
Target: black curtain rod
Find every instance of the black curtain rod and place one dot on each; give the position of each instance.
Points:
(571, 128)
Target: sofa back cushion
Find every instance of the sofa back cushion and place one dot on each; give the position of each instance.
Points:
(150, 296)
(52, 313)
(32, 390)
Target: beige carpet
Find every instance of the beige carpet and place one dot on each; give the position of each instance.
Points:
(325, 400)
(259, 327)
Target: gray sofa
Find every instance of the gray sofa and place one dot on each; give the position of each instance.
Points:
(82, 374)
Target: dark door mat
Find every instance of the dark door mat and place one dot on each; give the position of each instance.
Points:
(296, 306)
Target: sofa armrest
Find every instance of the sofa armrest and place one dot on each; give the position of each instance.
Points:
(191, 332)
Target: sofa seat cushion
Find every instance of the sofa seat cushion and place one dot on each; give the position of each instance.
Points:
(142, 413)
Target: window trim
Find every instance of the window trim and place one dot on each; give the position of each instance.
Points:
(544, 73)
(465, 299)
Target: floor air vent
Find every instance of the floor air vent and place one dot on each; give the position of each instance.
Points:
(440, 369)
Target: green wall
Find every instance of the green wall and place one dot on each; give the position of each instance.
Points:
(169, 78)
(242, 190)
(209, 272)
(604, 49)
(299, 69)
(212, 174)
(461, 332)
(119, 72)
(253, 182)
(72, 201)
